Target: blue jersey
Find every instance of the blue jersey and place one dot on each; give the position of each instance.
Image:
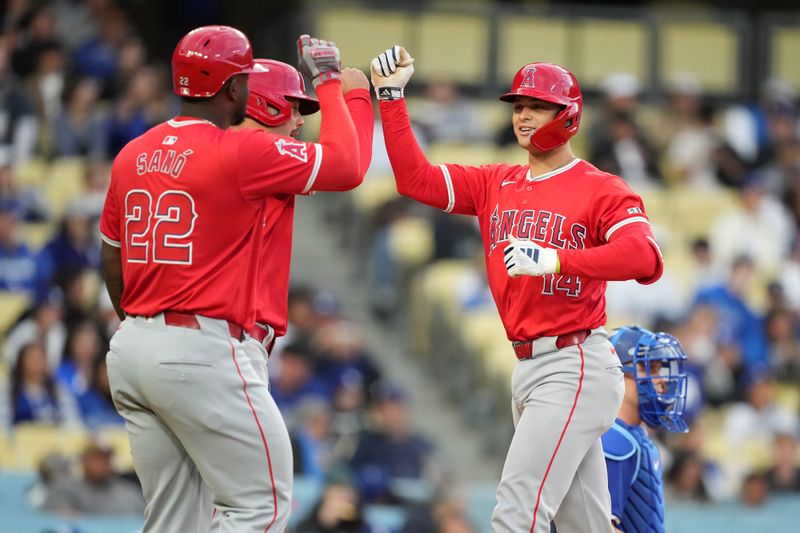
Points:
(634, 479)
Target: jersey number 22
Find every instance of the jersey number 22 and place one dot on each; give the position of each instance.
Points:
(160, 233)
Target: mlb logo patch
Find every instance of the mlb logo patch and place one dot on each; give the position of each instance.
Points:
(634, 210)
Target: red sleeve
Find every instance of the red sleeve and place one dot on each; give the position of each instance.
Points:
(270, 164)
(631, 251)
(452, 188)
(360, 107)
(632, 254)
(110, 218)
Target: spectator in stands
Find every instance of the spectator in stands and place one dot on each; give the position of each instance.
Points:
(75, 246)
(80, 128)
(296, 381)
(759, 227)
(39, 35)
(783, 349)
(705, 271)
(685, 479)
(338, 510)
(447, 116)
(132, 58)
(616, 142)
(390, 446)
(342, 355)
(738, 327)
(20, 269)
(18, 127)
(84, 346)
(445, 514)
(785, 475)
(144, 104)
(44, 325)
(789, 277)
(99, 491)
(761, 418)
(95, 404)
(79, 295)
(53, 469)
(691, 152)
(34, 395)
(46, 87)
(750, 129)
(755, 490)
(32, 205)
(313, 444)
(98, 57)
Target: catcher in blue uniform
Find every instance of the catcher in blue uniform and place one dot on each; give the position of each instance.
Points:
(655, 393)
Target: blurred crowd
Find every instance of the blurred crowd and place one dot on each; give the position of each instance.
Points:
(76, 83)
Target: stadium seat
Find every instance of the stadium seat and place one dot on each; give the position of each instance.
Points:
(522, 39)
(117, 439)
(783, 60)
(374, 192)
(12, 305)
(36, 234)
(30, 173)
(608, 46)
(6, 457)
(454, 46)
(32, 442)
(706, 50)
(66, 181)
(411, 241)
(361, 33)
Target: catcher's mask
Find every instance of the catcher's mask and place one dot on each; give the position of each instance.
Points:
(656, 363)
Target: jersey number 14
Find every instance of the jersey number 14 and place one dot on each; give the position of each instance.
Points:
(159, 231)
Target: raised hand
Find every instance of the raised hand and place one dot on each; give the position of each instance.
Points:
(390, 72)
(318, 59)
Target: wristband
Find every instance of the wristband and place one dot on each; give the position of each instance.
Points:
(389, 93)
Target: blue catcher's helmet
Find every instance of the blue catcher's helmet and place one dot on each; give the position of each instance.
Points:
(656, 363)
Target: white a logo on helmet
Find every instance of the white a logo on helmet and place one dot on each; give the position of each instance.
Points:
(527, 79)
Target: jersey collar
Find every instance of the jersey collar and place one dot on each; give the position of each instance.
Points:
(559, 170)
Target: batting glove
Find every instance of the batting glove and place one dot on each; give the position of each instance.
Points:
(526, 258)
(318, 59)
(390, 71)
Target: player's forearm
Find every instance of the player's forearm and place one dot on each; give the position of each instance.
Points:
(340, 166)
(111, 260)
(360, 107)
(630, 256)
(415, 176)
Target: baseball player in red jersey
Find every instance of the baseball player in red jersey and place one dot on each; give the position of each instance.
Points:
(180, 233)
(554, 232)
(277, 104)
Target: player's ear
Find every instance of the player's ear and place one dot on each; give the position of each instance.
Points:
(236, 87)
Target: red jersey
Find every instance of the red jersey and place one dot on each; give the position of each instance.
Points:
(575, 208)
(272, 294)
(184, 203)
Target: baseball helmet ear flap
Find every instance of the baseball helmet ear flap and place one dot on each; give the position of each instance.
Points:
(559, 130)
(273, 85)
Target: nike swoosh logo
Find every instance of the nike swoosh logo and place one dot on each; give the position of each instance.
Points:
(507, 183)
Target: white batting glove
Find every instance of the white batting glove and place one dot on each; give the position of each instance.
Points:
(390, 72)
(526, 258)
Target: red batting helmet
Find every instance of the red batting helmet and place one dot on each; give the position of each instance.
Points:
(207, 57)
(550, 83)
(271, 83)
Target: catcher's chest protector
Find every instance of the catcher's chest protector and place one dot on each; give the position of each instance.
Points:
(644, 510)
